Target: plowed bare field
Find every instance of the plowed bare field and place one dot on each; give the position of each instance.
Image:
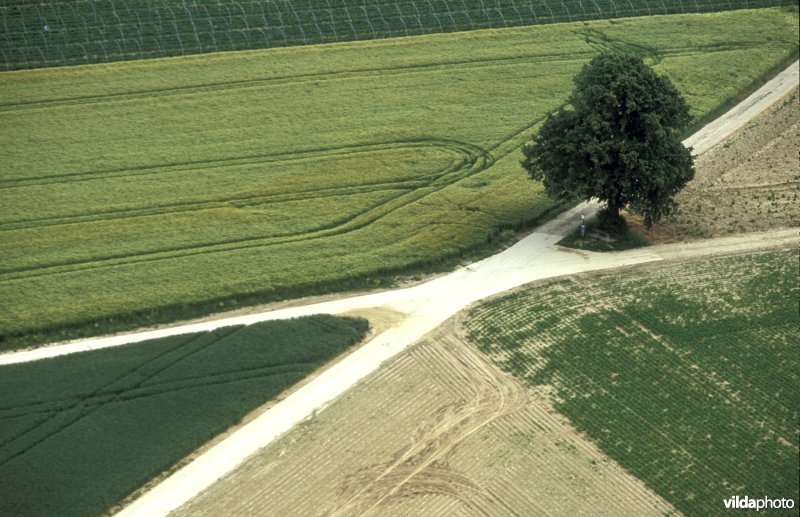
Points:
(438, 431)
(748, 183)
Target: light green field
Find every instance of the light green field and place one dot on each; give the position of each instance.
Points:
(686, 374)
(153, 190)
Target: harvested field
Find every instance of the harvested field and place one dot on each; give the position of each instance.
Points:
(751, 182)
(438, 431)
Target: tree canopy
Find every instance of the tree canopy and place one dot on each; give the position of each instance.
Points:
(619, 141)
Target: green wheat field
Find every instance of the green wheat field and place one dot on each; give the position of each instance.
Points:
(146, 191)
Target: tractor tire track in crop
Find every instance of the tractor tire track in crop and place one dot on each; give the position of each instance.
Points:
(473, 160)
(404, 193)
(112, 392)
(303, 155)
(597, 39)
(357, 74)
(434, 479)
(104, 33)
(243, 201)
(431, 433)
(363, 431)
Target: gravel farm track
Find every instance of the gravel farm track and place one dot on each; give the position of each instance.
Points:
(431, 428)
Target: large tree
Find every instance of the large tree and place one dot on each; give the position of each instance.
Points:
(619, 141)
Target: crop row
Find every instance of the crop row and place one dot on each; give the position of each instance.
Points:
(692, 385)
(78, 434)
(69, 33)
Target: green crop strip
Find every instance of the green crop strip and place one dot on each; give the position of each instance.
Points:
(156, 190)
(688, 375)
(37, 34)
(80, 433)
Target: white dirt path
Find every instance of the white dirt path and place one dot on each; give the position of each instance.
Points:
(734, 119)
(425, 306)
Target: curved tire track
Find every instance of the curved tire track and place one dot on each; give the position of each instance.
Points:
(421, 466)
(474, 160)
(103, 395)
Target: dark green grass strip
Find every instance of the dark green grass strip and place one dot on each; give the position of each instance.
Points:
(36, 34)
(79, 433)
(688, 376)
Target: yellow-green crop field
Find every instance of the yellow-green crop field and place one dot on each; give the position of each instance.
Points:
(138, 191)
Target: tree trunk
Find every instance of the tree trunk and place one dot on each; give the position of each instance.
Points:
(612, 208)
(610, 220)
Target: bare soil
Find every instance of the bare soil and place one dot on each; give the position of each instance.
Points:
(748, 183)
(438, 431)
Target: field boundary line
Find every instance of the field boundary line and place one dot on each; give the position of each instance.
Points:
(196, 475)
(300, 155)
(731, 121)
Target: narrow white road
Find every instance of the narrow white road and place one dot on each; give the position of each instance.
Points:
(719, 129)
(425, 306)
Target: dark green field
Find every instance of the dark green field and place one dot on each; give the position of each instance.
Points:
(687, 375)
(37, 34)
(79, 433)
